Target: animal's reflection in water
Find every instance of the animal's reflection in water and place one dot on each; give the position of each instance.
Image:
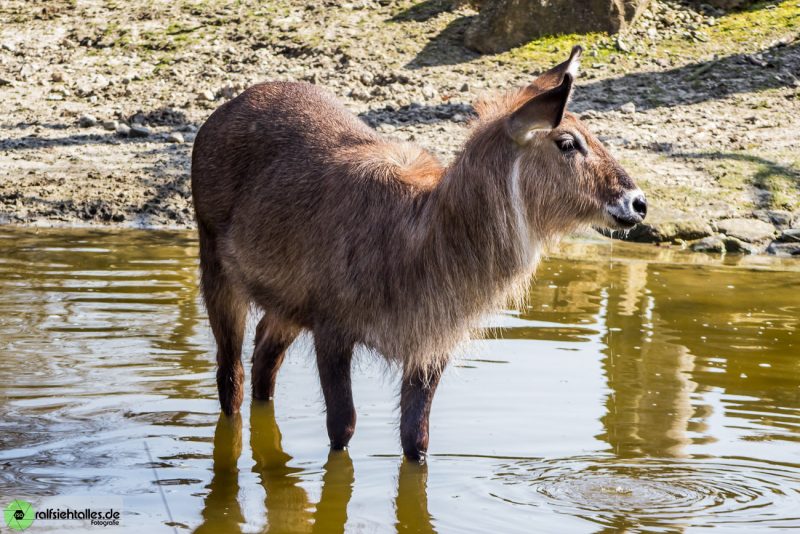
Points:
(221, 512)
(287, 504)
(411, 503)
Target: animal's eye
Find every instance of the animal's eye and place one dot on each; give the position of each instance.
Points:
(566, 143)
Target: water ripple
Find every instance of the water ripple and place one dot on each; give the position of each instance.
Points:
(659, 492)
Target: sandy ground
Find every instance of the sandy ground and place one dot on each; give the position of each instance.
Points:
(703, 108)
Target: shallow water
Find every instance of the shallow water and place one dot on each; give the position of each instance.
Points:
(641, 390)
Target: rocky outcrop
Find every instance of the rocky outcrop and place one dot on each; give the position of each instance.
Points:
(769, 232)
(721, 244)
(750, 236)
(784, 249)
(504, 24)
(668, 226)
(747, 230)
(669, 231)
(710, 244)
(786, 244)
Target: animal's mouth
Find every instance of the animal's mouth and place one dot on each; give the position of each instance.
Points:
(623, 223)
(627, 212)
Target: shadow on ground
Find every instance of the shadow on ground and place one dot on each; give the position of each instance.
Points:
(446, 47)
(422, 11)
(695, 83)
(418, 114)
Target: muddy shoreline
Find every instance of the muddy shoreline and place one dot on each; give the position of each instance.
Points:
(101, 102)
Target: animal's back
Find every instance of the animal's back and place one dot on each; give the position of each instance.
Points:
(307, 204)
(289, 127)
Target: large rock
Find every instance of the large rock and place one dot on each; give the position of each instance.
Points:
(792, 235)
(504, 24)
(668, 231)
(779, 218)
(709, 244)
(747, 230)
(722, 244)
(737, 246)
(784, 249)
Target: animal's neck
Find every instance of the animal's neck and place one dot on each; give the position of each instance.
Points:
(479, 237)
(471, 250)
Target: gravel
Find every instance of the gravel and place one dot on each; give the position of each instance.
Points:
(704, 132)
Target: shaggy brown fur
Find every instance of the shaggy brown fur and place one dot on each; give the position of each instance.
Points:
(309, 214)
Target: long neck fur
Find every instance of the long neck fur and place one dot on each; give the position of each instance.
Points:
(473, 249)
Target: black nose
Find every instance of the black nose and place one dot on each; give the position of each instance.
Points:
(640, 206)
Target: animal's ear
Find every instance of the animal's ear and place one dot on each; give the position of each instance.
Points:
(552, 78)
(542, 112)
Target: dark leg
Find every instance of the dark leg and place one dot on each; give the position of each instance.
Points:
(273, 337)
(416, 397)
(333, 361)
(227, 311)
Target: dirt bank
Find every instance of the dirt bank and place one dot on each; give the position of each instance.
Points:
(101, 99)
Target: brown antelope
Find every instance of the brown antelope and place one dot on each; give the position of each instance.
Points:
(321, 223)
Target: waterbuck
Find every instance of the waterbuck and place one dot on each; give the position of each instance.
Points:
(323, 224)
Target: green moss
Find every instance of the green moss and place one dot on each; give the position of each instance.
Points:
(737, 32)
(742, 179)
(553, 49)
(778, 174)
(759, 22)
(734, 33)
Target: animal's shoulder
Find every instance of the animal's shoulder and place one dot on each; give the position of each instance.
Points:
(406, 163)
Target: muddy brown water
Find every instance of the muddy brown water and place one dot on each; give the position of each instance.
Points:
(641, 390)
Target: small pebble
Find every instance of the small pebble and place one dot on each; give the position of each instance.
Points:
(429, 92)
(109, 125)
(630, 107)
(175, 137)
(137, 130)
(123, 129)
(367, 78)
(86, 121)
(207, 95)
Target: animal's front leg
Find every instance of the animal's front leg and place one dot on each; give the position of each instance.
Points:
(416, 397)
(333, 361)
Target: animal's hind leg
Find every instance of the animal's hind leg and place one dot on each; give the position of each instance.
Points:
(333, 361)
(273, 337)
(227, 311)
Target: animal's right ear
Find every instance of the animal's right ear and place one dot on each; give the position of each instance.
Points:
(542, 112)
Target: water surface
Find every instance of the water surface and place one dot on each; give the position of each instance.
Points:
(640, 390)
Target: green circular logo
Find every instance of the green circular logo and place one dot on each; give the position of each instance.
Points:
(19, 515)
